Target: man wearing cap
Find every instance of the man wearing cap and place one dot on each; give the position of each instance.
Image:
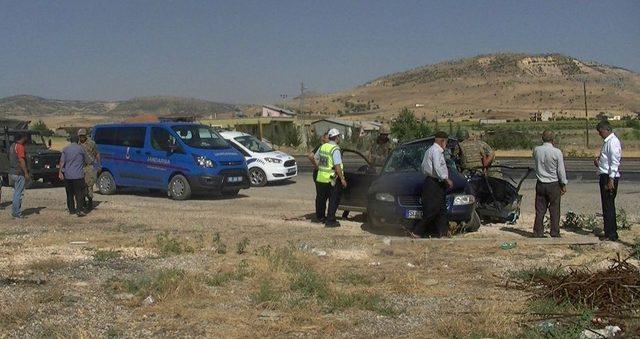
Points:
(381, 149)
(330, 179)
(608, 164)
(434, 206)
(90, 174)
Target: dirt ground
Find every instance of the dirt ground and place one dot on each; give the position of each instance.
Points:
(143, 265)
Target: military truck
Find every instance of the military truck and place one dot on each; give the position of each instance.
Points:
(42, 161)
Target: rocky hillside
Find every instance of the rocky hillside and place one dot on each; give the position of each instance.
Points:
(491, 86)
(27, 105)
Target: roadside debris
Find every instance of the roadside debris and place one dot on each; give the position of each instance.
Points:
(410, 265)
(148, 301)
(319, 253)
(607, 332)
(374, 263)
(508, 245)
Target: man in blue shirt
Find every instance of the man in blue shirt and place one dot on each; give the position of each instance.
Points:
(72, 163)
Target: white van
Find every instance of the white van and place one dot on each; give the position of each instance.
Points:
(265, 164)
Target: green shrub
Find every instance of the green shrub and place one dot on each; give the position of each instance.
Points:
(407, 127)
(171, 246)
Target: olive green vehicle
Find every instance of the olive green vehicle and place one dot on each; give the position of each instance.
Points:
(42, 161)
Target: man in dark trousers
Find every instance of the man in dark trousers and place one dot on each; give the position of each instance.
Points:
(434, 205)
(608, 164)
(18, 174)
(551, 184)
(72, 164)
(330, 179)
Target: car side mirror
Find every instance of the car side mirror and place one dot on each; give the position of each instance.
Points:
(49, 143)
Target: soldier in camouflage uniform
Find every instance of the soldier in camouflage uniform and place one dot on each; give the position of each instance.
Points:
(475, 154)
(381, 149)
(90, 174)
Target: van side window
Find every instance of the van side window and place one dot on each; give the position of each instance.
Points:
(106, 136)
(161, 139)
(131, 136)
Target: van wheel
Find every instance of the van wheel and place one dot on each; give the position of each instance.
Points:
(258, 177)
(106, 183)
(179, 188)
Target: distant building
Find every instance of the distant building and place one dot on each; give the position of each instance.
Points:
(492, 121)
(67, 131)
(542, 116)
(615, 117)
(346, 128)
(276, 112)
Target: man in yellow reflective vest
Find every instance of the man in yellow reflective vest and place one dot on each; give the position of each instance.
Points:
(330, 179)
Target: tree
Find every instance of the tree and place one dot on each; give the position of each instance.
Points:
(407, 127)
(41, 128)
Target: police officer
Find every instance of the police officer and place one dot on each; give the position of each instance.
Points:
(90, 174)
(330, 179)
(475, 153)
(381, 148)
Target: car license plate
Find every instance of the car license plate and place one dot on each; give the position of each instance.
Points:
(291, 171)
(413, 214)
(234, 179)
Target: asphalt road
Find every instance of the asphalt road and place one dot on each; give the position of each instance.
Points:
(577, 168)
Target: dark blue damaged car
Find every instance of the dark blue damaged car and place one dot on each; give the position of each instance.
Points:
(391, 196)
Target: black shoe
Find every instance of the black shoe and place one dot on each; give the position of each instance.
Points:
(72, 212)
(81, 214)
(89, 204)
(332, 224)
(318, 221)
(556, 236)
(539, 236)
(20, 216)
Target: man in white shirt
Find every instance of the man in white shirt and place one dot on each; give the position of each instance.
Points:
(608, 164)
(434, 206)
(551, 185)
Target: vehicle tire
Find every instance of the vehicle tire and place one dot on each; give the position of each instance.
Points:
(106, 183)
(179, 188)
(257, 177)
(230, 194)
(472, 225)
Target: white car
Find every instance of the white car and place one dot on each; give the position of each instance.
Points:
(265, 164)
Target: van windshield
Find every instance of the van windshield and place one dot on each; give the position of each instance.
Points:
(254, 144)
(200, 136)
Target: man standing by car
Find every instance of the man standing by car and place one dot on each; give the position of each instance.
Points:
(551, 184)
(312, 156)
(72, 164)
(608, 163)
(330, 179)
(18, 174)
(381, 149)
(90, 174)
(434, 206)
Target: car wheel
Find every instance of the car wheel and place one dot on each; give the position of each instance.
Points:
(472, 225)
(258, 177)
(106, 183)
(230, 194)
(179, 188)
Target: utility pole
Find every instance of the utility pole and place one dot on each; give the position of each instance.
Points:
(284, 103)
(301, 97)
(586, 114)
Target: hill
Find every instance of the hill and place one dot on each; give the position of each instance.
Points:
(33, 106)
(504, 85)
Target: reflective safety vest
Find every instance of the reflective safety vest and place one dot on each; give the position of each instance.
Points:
(326, 172)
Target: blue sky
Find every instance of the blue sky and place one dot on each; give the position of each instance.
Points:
(253, 51)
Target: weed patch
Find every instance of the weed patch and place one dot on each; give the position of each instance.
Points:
(47, 265)
(354, 278)
(241, 272)
(267, 294)
(241, 246)
(171, 246)
(164, 284)
(106, 255)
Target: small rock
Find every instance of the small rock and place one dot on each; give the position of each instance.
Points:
(607, 332)
(78, 243)
(431, 282)
(148, 301)
(81, 284)
(410, 265)
(269, 315)
(374, 263)
(386, 241)
(319, 253)
(124, 296)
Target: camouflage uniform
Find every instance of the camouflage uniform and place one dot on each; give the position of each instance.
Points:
(379, 153)
(90, 174)
(472, 153)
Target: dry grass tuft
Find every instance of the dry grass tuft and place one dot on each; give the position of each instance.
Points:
(48, 265)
